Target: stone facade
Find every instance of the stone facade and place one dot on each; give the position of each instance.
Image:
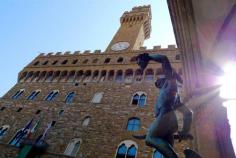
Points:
(86, 74)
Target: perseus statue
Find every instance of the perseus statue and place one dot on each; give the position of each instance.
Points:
(160, 134)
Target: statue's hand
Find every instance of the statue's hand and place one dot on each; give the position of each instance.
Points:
(142, 60)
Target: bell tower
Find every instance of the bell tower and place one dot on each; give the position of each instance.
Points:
(134, 29)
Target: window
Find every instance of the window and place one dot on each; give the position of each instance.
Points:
(56, 76)
(33, 95)
(128, 76)
(119, 76)
(87, 76)
(3, 130)
(97, 97)
(95, 75)
(61, 112)
(120, 59)
(79, 75)
(63, 76)
(45, 63)
(103, 75)
(86, 121)
(35, 76)
(28, 76)
(157, 154)
(42, 76)
(18, 94)
(75, 61)
(127, 149)
(64, 62)
(69, 97)
(36, 63)
(73, 147)
(19, 109)
(138, 75)
(85, 61)
(55, 62)
(49, 76)
(139, 99)
(95, 61)
(133, 124)
(177, 57)
(107, 60)
(111, 75)
(133, 59)
(149, 75)
(51, 95)
(71, 76)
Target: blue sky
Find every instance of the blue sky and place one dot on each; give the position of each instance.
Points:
(32, 26)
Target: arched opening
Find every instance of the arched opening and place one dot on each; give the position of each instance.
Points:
(107, 60)
(3, 130)
(22, 76)
(52, 95)
(74, 61)
(97, 97)
(177, 57)
(128, 75)
(63, 76)
(79, 76)
(87, 76)
(120, 59)
(86, 121)
(42, 76)
(85, 61)
(95, 75)
(103, 75)
(127, 149)
(35, 76)
(64, 62)
(119, 76)
(56, 76)
(36, 63)
(133, 59)
(49, 76)
(149, 75)
(45, 62)
(71, 76)
(139, 98)
(33, 95)
(69, 97)
(73, 147)
(29, 76)
(111, 75)
(133, 124)
(95, 61)
(18, 94)
(138, 75)
(55, 62)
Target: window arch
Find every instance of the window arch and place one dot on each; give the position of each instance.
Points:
(71, 76)
(95, 61)
(42, 76)
(3, 130)
(127, 149)
(45, 63)
(111, 75)
(35, 76)
(28, 76)
(103, 75)
(79, 75)
(49, 76)
(149, 74)
(157, 154)
(75, 61)
(97, 97)
(52, 95)
(64, 62)
(73, 147)
(139, 98)
(36, 63)
(22, 76)
(129, 75)
(18, 94)
(107, 60)
(120, 59)
(63, 76)
(85, 61)
(33, 95)
(86, 121)
(138, 75)
(56, 76)
(133, 124)
(119, 75)
(69, 97)
(87, 76)
(133, 59)
(95, 75)
(55, 62)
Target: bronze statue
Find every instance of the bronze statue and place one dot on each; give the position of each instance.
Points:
(161, 132)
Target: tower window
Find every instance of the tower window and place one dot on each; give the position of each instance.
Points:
(103, 75)
(87, 76)
(133, 124)
(121, 152)
(69, 97)
(3, 131)
(111, 75)
(97, 97)
(73, 147)
(95, 61)
(52, 95)
(149, 75)
(120, 60)
(119, 76)
(64, 62)
(138, 75)
(139, 99)
(49, 76)
(86, 121)
(33, 95)
(75, 61)
(18, 94)
(107, 60)
(85, 61)
(71, 76)
(45, 63)
(177, 57)
(95, 75)
(36, 63)
(128, 75)
(55, 62)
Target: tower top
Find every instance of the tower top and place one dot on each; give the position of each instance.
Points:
(139, 13)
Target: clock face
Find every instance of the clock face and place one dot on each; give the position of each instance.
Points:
(120, 46)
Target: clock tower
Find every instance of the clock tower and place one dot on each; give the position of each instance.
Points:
(135, 28)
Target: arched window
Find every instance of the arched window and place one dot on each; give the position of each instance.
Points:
(138, 75)
(45, 63)
(42, 76)
(33, 95)
(95, 75)
(55, 62)
(63, 76)
(52, 95)
(177, 57)
(75, 61)
(18, 94)
(73, 147)
(35, 76)
(56, 76)
(71, 76)
(36, 63)
(157, 154)
(87, 76)
(120, 59)
(86, 121)
(107, 60)
(49, 76)
(85, 61)
(79, 76)
(133, 124)
(133, 59)
(3, 130)
(22, 76)
(64, 62)
(95, 61)
(28, 76)
(129, 76)
(149, 75)
(127, 149)
(119, 76)
(111, 75)
(103, 75)
(97, 97)
(139, 99)
(69, 97)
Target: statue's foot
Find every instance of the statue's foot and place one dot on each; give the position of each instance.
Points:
(191, 154)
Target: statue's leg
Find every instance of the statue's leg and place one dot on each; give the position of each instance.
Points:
(159, 135)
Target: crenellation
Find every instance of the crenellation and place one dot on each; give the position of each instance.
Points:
(172, 46)
(58, 53)
(98, 51)
(76, 52)
(67, 53)
(87, 52)
(41, 54)
(158, 47)
(50, 54)
(143, 48)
